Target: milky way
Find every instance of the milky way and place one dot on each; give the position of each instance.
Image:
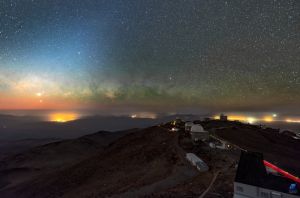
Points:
(159, 55)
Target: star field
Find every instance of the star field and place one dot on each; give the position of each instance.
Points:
(159, 55)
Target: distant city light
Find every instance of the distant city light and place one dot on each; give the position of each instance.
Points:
(292, 120)
(251, 120)
(148, 115)
(259, 119)
(216, 117)
(39, 94)
(63, 117)
(268, 119)
(133, 116)
(237, 117)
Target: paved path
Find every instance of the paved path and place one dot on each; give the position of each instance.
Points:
(210, 185)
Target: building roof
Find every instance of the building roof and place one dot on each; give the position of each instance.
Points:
(193, 157)
(197, 128)
(189, 123)
(196, 161)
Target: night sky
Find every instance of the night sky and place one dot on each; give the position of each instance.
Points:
(160, 55)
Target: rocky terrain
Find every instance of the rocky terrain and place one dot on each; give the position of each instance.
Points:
(12, 147)
(146, 162)
(139, 163)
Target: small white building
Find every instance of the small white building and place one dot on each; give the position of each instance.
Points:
(198, 133)
(197, 162)
(219, 144)
(188, 126)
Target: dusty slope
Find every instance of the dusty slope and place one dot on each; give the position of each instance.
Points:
(137, 164)
(12, 147)
(52, 157)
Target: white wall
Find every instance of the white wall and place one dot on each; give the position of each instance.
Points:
(256, 192)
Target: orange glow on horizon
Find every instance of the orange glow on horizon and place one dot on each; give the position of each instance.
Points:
(36, 102)
(237, 117)
(248, 119)
(292, 120)
(63, 117)
(268, 119)
(217, 117)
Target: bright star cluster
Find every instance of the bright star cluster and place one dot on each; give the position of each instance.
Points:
(159, 55)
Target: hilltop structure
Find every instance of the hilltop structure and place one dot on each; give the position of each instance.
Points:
(253, 180)
(198, 133)
(223, 117)
(188, 126)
